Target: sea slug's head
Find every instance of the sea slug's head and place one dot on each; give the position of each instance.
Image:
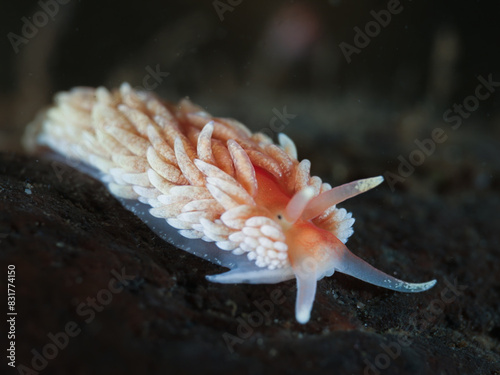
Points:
(314, 252)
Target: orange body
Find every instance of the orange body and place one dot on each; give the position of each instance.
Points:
(211, 178)
(303, 238)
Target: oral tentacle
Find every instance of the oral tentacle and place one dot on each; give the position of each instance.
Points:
(306, 290)
(298, 203)
(356, 267)
(319, 204)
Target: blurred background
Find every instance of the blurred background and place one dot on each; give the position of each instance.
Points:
(355, 84)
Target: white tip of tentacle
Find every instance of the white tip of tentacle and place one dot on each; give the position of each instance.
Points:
(302, 314)
(339, 194)
(298, 203)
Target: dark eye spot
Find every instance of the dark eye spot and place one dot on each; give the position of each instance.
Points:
(280, 217)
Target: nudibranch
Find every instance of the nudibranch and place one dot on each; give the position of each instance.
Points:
(191, 176)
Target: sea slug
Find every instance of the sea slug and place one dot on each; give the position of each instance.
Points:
(193, 176)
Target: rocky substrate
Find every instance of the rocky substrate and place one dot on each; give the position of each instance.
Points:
(98, 293)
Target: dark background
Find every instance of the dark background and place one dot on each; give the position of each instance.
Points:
(353, 120)
(243, 61)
